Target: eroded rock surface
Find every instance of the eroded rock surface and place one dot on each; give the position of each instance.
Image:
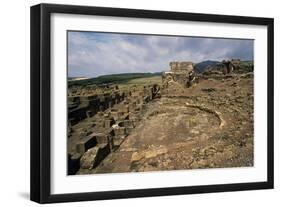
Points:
(208, 124)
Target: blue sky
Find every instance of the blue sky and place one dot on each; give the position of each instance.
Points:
(91, 54)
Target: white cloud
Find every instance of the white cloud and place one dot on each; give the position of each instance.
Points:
(93, 54)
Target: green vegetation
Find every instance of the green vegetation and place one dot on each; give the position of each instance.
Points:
(246, 66)
(115, 79)
(140, 82)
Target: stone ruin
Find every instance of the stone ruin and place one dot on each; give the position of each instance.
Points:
(230, 65)
(81, 107)
(180, 73)
(99, 124)
(225, 67)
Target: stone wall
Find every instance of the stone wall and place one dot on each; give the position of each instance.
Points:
(113, 117)
(81, 107)
(181, 74)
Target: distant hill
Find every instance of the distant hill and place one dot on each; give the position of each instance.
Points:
(76, 78)
(202, 66)
(245, 66)
(113, 78)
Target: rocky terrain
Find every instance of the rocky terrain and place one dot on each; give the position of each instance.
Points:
(208, 125)
(178, 125)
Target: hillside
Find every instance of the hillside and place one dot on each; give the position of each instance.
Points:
(202, 66)
(113, 79)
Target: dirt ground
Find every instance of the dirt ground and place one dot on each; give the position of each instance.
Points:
(209, 125)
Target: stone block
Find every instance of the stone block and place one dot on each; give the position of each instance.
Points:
(120, 131)
(100, 137)
(126, 123)
(94, 156)
(85, 144)
(108, 123)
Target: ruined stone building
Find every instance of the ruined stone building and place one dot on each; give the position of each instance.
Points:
(101, 117)
(230, 65)
(225, 67)
(181, 73)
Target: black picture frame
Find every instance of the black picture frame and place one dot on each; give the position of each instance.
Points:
(41, 95)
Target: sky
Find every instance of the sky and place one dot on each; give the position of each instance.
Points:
(91, 54)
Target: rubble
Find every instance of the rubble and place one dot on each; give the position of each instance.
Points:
(94, 156)
(189, 121)
(106, 124)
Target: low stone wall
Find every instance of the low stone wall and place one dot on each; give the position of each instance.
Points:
(81, 107)
(113, 117)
